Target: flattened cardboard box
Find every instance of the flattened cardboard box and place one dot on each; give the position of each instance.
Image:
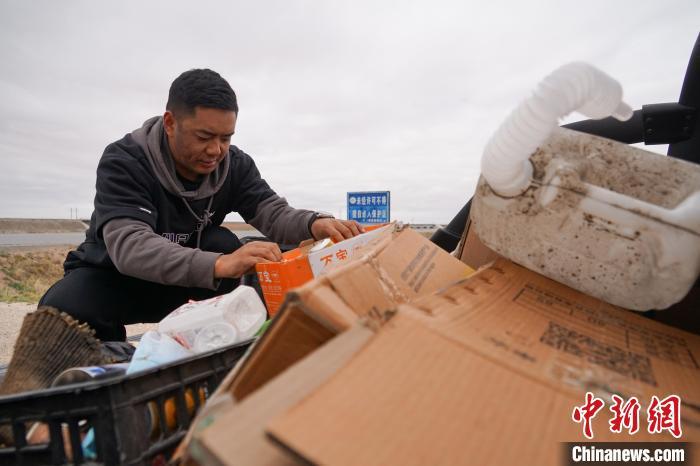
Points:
(472, 251)
(532, 323)
(241, 439)
(488, 372)
(395, 268)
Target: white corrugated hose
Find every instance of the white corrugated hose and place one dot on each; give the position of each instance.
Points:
(576, 86)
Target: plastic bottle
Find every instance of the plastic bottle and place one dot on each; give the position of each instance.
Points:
(156, 349)
(89, 373)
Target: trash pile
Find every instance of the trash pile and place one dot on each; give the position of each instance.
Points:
(426, 366)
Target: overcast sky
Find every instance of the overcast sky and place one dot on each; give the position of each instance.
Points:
(334, 96)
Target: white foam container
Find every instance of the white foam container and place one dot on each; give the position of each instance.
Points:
(616, 222)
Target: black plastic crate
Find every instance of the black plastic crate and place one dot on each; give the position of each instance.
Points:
(121, 411)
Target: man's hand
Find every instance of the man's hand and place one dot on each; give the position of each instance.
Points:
(244, 258)
(337, 230)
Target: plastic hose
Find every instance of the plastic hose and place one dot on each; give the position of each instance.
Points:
(576, 86)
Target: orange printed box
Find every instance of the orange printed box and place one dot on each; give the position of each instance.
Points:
(300, 265)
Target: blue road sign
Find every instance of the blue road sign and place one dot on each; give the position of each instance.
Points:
(370, 207)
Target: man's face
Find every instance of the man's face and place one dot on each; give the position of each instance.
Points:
(199, 142)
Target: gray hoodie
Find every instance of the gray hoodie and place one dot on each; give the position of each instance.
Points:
(136, 250)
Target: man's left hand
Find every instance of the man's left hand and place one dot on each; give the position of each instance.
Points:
(335, 229)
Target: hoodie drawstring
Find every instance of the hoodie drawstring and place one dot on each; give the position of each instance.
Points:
(204, 220)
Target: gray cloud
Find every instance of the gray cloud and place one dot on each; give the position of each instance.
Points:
(335, 96)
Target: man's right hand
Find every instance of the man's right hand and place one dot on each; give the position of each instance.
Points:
(244, 258)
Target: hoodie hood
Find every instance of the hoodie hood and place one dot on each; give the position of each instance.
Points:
(151, 138)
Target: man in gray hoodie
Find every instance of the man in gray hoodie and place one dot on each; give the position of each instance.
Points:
(155, 238)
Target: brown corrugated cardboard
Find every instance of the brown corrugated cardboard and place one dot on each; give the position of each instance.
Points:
(414, 397)
(472, 251)
(488, 372)
(295, 334)
(239, 437)
(395, 268)
(531, 323)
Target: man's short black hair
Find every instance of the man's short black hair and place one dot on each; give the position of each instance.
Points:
(200, 88)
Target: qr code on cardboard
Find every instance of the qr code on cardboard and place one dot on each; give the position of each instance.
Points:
(625, 363)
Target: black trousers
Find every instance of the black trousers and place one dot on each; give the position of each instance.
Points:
(107, 300)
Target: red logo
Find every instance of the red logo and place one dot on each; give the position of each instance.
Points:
(662, 415)
(587, 412)
(665, 415)
(625, 415)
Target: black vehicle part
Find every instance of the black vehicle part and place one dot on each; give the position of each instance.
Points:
(120, 410)
(689, 149)
(676, 123)
(628, 132)
(448, 238)
(667, 123)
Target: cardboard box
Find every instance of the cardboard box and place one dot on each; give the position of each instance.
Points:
(485, 371)
(488, 372)
(472, 251)
(301, 265)
(396, 267)
(243, 439)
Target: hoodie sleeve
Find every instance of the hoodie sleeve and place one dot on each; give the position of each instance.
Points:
(136, 250)
(261, 207)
